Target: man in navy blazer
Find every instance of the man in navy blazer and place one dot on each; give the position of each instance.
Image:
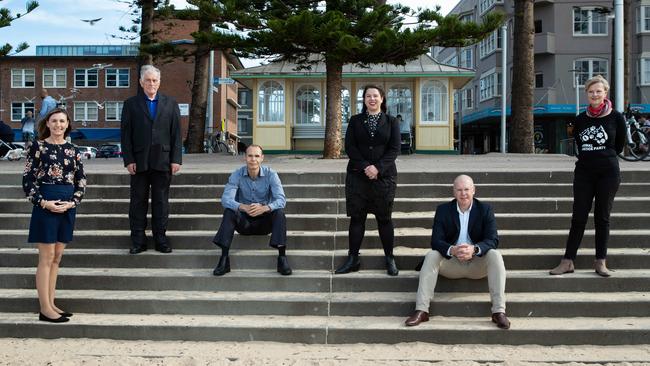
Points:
(463, 242)
(151, 147)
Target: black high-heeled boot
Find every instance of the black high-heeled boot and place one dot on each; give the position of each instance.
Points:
(391, 267)
(352, 264)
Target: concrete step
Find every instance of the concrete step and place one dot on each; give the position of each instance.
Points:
(161, 279)
(288, 177)
(338, 190)
(334, 329)
(622, 204)
(406, 258)
(523, 304)
(338, 222)
(321, 240)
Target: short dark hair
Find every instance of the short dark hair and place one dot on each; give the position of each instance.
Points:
(381, 92)
(44, 132)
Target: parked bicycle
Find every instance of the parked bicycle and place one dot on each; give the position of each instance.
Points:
(637, 143)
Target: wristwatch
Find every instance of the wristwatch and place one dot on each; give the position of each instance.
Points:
(476, 249)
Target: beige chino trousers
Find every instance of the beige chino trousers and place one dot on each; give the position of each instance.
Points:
(490, 265)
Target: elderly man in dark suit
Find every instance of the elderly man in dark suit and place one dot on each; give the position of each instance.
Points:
(463, 242)
(151, 146)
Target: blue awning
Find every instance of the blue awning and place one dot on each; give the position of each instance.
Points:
(539, 110)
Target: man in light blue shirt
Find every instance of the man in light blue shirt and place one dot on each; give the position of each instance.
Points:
(253, 202)
(48, 104)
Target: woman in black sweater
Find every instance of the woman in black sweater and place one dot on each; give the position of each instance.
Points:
(372, 142)
(599, 133)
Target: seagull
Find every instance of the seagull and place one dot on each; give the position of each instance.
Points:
(100, 66)
(99, 105)
(30, 100)
(91, 21)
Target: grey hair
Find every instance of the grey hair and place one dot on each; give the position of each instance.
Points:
(148, 68)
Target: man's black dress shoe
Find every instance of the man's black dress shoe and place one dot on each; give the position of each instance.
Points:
(43, 318)
(136, 250)
(163, 248)
(283, 265)
(352, 264)
(223, 266)
(501, 320)
(66, 314)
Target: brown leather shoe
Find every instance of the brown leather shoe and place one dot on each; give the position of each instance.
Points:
(501, 320)
(418, 317)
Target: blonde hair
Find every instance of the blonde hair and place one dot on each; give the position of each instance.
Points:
(595, 80)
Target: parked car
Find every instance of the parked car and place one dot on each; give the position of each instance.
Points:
(88, 152)
(110, 151)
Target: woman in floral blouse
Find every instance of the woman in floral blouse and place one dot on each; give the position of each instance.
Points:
(54, 181)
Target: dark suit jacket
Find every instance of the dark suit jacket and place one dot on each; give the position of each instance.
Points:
(380, 151)
(482, 227)
(151, 144)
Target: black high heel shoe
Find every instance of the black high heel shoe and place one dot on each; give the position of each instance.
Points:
(43, 318)
(391, 267)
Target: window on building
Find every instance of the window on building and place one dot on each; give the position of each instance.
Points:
(589, 22)
(346, 101)
(485, 5)
(643, 19)
(23, 78)
(589, 68)
(20, 109)
(113, 111)
(308, 106)
(451, 60)
(467, 57)
(466, 18)
(456, 98)
(399, 101)
(271, 103)
(643, 76)
(468, 98)
(490, 44)
(489, 85)
(539, 80)
(117, 78)
(538, 26)
(86, 111)
(54, 78)
(243, 98)
(85, 78)
(434, 102)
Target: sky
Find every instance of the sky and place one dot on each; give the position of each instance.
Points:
(59, 22)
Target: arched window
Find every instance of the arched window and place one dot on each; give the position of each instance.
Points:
(308, 105)
(434, 102)
(271, 103)
(400, 103)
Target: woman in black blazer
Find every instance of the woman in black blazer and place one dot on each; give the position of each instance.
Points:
(372, 143)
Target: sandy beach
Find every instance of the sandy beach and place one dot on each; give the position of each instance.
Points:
(63, 352)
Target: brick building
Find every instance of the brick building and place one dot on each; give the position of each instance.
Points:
(92, 82)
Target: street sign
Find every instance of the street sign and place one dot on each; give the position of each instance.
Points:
(224, 81)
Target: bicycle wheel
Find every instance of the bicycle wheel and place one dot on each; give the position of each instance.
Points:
(636, 150)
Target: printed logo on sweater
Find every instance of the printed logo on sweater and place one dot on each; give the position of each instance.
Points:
(593, 138)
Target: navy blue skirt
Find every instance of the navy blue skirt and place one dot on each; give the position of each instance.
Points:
(49, 227)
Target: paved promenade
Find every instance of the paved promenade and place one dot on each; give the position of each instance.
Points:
(494, 162)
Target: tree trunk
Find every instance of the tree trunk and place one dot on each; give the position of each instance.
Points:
(523, 61)
(334, 72)
(200, 89)
(146, 30)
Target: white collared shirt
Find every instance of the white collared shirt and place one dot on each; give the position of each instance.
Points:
(463, 235)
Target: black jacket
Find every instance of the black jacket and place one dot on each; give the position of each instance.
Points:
(152, 145)
(482, 227)
(380, 151)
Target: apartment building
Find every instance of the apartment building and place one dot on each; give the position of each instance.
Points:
(573, 42)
